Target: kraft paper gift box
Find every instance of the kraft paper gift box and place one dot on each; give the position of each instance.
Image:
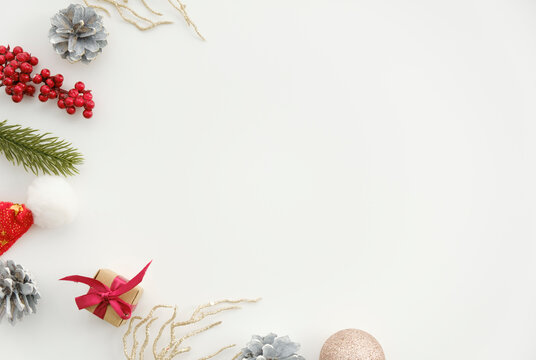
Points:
(111, 297)
(132, 297)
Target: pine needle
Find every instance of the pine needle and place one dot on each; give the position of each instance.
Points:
(38, 153)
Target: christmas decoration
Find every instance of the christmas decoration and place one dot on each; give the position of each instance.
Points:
(77, 33)
(175, 344)
(141, 22)
(270, 347)
(18, 292)
(352, 344)
(110, 297)
(51, 203)
(16, 68)
(38, 153)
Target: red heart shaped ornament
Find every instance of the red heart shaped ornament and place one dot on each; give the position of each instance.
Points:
(15, 220)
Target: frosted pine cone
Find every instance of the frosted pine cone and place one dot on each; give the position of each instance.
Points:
(77, 33)
(271, 347)
(18, 292)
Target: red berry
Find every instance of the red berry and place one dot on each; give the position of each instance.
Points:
(22, 57)
(45, 90)
(17, 98)
(43, 98)
(52, 94)
(73, 93)
(17, 90)
(50, 82)
(9, 90)
(26, 67)
(79, 101)
(88, 96)
(8, 81)
(80, 86)
(17, 50)
(30, 90)
(45, 73)
(2, 59)
(14, 64)
(3, 49)
(87, 114)
(34, 61)
(71, 110)
(69, 102)
(9, 71)
(9, 56)
(58, 79)
(37, 79)
(61, 104)
(24, 78)
(90, 104)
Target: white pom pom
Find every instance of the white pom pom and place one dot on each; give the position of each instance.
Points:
(52, 201)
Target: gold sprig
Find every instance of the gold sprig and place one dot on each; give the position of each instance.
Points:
(130, 15)
(175, 346)
(141, 22)
(182, 9)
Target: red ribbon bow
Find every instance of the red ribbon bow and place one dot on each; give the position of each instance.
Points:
(102, 295)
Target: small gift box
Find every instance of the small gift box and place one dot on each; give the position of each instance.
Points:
(111, 297)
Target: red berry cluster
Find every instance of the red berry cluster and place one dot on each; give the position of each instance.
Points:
(16, 67)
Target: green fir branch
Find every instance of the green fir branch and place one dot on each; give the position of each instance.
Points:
(38, 153)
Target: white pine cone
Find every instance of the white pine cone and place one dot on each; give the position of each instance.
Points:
(271, 347)
(77, 33)
(18, 292)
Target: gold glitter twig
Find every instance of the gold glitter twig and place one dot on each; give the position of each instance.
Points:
(173, 348)
(218, 352)
(97, 7)
(161, 331)
(149, 8)
(182, 9)
(139, 19)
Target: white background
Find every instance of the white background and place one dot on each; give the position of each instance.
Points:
(364, 164)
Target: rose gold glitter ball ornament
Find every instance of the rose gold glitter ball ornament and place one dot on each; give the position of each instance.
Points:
(352, 344)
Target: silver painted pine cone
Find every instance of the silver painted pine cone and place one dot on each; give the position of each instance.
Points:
(271, 347)
(77, 33)
(18, 292)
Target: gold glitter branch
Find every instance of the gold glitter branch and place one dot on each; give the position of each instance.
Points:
(130, 15)
(182, 9)
(175, 346)
(141, 22)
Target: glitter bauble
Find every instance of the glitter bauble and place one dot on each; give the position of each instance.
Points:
(352, 344)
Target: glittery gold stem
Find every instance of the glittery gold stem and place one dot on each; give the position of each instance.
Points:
(175, 346)
(218, 352)
(182, 9)
(132, 354)
(147, 7)
(141, 22)
(147, 336)
(97, 7)
(161, 331)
